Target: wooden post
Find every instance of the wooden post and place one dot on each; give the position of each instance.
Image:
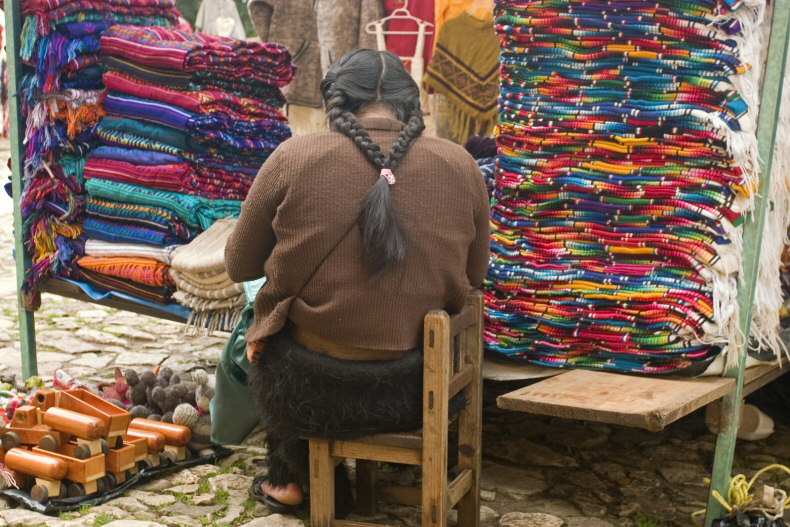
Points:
(752, 236)
(436, 385)
(16, 132)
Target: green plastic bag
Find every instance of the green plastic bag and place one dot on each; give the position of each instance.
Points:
(233, 416)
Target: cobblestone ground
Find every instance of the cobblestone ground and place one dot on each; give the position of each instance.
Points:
(537, 472)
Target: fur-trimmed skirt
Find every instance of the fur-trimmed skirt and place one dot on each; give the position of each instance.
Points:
(299, 394)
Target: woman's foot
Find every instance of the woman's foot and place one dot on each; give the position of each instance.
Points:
(290, 494)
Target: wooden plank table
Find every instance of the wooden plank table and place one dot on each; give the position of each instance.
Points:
(629, 400)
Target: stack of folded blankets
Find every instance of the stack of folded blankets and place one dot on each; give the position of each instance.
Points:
(204, 286)
(627, 159)
(189, 120)
(61, 101)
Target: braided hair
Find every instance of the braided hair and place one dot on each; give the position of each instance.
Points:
(360, 78)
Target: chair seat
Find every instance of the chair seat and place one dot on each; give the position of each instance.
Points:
(452, 353)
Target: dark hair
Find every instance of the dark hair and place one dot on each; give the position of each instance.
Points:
(366, 77)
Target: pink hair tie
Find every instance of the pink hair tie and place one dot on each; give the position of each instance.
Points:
(387, 174)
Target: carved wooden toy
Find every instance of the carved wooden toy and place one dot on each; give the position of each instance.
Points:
(155, 444)
(120, 463)
(48, 471)
(140, 445)
(83, 474)
(116, 420)
(28, 428)
(176, 436)
(86, 430)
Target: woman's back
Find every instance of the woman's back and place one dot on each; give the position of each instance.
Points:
(316, 274)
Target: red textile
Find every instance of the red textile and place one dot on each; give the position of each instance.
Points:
(205, 101)
(403, 45)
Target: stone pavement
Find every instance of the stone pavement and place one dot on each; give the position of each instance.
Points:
(539, 472)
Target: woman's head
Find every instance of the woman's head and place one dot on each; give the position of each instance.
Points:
(366, 79)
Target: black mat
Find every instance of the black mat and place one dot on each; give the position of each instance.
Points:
(58, 505)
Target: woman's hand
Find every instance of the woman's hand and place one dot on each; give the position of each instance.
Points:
(253, 350)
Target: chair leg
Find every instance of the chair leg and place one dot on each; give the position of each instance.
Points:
(322, 484)
(367, 474)
(469, 451)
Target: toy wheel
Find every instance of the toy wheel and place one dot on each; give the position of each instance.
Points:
(104, 446)
(76, 490)
(49, 442)
(118, 442)
(105, 483)
(143, 464)
(82, 452)
(110, 479)
(10, 440)
(39, 493)
(23, 481)
(63, 490)
(167, 458)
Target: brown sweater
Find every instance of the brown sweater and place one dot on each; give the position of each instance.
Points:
(305, 201)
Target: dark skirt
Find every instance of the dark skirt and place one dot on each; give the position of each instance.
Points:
(301, 394)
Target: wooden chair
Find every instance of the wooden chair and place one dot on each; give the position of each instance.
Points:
(453, 349)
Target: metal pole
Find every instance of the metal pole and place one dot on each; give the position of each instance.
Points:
(16, 128)
(753, 234)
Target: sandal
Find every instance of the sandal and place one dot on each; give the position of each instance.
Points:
(274, 506)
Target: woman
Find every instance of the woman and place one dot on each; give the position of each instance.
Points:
(357, 246)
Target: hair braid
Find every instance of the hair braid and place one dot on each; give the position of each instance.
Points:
(410, 132)
(375, 78)
(346, 123)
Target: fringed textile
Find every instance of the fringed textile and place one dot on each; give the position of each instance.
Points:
(204, 286)
(626, 160)
(144, 271)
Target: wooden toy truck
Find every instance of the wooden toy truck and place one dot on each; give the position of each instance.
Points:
(176, 436)
(51, 430)
(83, 474)
(115, 419)
(49, 472)
(148, 446)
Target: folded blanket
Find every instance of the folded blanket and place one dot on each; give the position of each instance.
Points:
(148, 216)
(221, 128)
(269, 62)
(204, 286)
(123, 232)
(203, 101)
(205, 255)
(101, 248)
(195, 211)
(163, 177)
(180, 177)
(134, 156)
(216, 287)
(144, 271)
(57, 11)
(161, 295)
(165, 135)
(194, 81)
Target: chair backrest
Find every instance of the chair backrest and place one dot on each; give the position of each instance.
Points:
(453, 351)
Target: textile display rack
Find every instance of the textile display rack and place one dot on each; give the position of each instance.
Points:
(132, 141)
(654, 402)
(647, 402)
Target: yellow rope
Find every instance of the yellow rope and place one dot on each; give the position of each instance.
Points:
(738, 494)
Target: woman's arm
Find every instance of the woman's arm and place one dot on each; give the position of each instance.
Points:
(253, 239)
